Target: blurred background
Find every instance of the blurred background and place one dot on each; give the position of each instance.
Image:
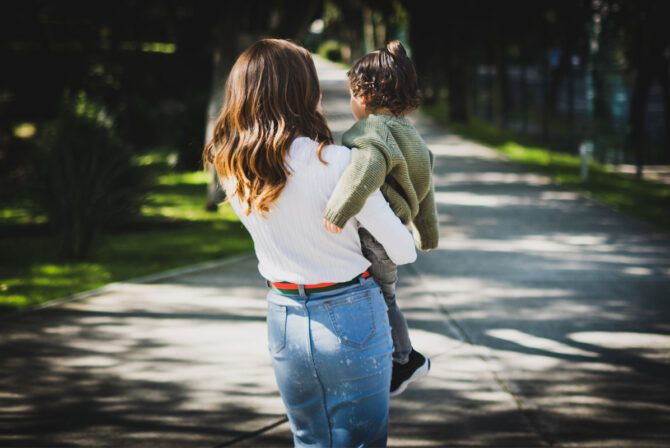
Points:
(105, 107)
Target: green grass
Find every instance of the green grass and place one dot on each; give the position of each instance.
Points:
(175, 231)
(641, 198)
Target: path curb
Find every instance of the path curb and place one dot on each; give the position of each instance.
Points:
(113, 286)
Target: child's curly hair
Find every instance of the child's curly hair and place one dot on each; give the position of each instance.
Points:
(387, 79)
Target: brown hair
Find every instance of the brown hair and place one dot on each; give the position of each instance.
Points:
(387, 79)
(271, 97)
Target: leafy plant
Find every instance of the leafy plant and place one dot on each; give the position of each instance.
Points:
(331, 50)
(83, 177)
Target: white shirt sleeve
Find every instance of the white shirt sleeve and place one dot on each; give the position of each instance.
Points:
(378, 219)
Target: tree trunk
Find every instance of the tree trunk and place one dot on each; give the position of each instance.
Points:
(381, 32)
(601, 107)
(368, 30)
(456, 66)
(638, 108)
(664, 80)
(557, 81)
(545, 102)
(502, 90)
(545, 80)
(571, 97)
(524, 98)
(458, 90)
(353, 31)
(220, 68)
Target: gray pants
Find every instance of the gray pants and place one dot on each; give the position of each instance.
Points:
(385, 273)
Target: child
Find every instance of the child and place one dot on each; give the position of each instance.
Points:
(387, 153)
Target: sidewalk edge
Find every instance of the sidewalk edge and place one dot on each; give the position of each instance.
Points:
(112, 286)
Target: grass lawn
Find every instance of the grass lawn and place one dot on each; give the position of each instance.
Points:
(175, 230)
(644, 199)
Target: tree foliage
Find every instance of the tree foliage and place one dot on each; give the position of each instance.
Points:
(450, 47)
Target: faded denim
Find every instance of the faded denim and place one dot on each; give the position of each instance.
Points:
(331, 354)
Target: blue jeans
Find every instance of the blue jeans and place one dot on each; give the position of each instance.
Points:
(331, 354)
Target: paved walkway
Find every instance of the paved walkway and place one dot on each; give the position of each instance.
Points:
(546, 316)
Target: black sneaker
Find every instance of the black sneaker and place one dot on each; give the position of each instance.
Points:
(403, 374)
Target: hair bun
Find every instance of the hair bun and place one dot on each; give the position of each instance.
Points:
(396, 49)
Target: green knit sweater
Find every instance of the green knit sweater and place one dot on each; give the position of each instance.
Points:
(388, 153)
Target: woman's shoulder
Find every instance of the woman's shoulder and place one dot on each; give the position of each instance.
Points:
(336, 154)
(306, 149)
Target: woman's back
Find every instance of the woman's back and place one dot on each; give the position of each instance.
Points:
(291, 242)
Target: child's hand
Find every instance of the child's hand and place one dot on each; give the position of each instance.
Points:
(331, 227)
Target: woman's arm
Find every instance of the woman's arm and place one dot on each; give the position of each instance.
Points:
(364, 174)
(378, 218)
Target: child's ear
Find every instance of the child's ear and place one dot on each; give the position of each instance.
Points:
(361, 100)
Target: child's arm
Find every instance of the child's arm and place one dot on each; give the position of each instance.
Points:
(426, 226)
(364, 174)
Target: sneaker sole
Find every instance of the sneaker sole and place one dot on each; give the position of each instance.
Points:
(418, 374)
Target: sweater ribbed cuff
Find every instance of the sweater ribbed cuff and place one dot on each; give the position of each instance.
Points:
(426, 236)
(338, 218)
(426, 244)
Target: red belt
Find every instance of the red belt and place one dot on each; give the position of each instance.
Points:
(291, 288)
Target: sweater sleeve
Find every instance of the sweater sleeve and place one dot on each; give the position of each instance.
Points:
(425, 224)
(364, 174)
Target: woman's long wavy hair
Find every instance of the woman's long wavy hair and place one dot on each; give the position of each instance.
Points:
(272, 96)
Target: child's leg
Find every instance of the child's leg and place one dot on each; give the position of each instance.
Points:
(385, 273)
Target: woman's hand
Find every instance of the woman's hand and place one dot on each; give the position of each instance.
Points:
(331, 227)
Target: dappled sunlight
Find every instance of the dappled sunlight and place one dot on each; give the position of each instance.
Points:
(462, 398)
(463, 290)
(475, 200)
(528, 340)
(637, 270)
(541, 311)
(194, 355)
(527, 274)
(453, 179)
(432, 343)
(594, 241)
(453, 146)
(178, 365)
(658, 345)
(559, 196)
(605, 253)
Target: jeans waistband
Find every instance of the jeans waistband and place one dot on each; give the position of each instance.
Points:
(295, 289)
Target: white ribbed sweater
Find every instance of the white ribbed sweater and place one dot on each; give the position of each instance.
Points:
(291, 243)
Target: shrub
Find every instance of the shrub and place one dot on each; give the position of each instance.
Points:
(331, 50)
(83, 177)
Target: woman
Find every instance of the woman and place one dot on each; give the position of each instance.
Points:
(328, 331)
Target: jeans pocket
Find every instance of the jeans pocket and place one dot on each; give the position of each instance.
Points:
(276, 322)
(353, 319)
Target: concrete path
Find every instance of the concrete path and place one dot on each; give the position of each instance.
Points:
(546, 316)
